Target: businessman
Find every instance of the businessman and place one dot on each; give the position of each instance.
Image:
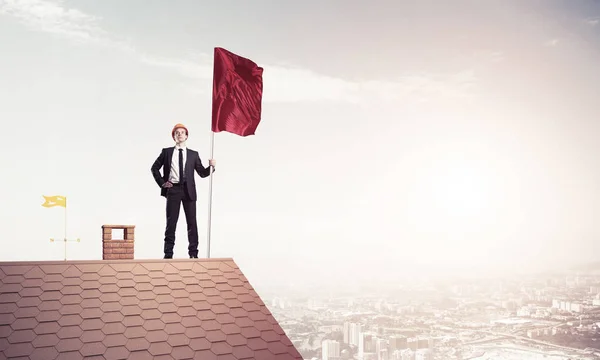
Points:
(179, 187)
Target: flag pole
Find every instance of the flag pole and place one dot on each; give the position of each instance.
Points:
(210, 186)
(65, 228)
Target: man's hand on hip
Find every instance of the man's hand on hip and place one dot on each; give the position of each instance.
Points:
(167, 185)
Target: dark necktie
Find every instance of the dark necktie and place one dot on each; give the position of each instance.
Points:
(181, 166)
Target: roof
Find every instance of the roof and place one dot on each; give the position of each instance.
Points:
(135, 309)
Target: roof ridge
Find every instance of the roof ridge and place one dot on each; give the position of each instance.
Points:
(115, 261)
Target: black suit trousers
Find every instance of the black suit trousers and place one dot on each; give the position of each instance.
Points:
(176, 196)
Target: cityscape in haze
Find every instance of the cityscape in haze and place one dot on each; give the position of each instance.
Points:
(423, 184)
(553, 316)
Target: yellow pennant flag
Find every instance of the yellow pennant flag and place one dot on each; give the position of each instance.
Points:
(52, 201)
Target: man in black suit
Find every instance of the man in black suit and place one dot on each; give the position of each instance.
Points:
(178, 186)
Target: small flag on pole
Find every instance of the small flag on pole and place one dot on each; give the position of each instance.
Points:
(237, 94)
(56, 200)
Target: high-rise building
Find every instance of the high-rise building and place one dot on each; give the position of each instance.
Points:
(366, 344)
(413, 343)
(406, 354)
(346, 333)
(355, 331)
(352, 333)
(330, 350)
(381, 349)
(397, 342)
(383, 355)
(423, 354)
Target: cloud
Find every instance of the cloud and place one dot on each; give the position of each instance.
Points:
(497, 56)
(187, 68)
(281, 83)
(55, 18)
(295, 84)
(52, 17)
(552, 42)
(592, 21)
(460, 85)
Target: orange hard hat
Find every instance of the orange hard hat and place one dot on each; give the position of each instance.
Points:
(179, 126)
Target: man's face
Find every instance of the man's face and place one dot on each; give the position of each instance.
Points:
(180, 135)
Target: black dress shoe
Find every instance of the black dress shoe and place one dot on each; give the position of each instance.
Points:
(194, 257)
(168, 257)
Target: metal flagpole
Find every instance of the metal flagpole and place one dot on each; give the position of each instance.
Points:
(210, 183)
(65, 229)
(65, 240)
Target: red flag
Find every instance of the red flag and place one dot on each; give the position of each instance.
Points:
(237, 94)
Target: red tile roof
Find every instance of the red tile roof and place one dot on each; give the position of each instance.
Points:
(135, 309)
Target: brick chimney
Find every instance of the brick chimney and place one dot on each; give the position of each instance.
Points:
(113, 249)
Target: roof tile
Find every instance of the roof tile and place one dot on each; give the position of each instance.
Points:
(91, 303)
(157, 336)
(44, 341)
(117, 353)
(160, 348)
(74, 309)
(69, 345)
(130, 309)
(137, 344)
(178, 340)
(167, 307)
(230, 329)
(174, 329)
(170, 318)
(21, 336)
(133, 320)
(186, 311)
(68, 355)
(114, 340)
(242, 352)
(221, 348)
(15, 350)
(91, 336)
(43, 328)
(133, 332)
(193, 332)
(182, 352)
(69, 332)
(215, 335)
(45, 353)
(140, 355)
(128, 300)
(206, 355)
(69, 320)
(236, 339)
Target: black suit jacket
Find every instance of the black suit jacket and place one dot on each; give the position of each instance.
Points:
(192, 163)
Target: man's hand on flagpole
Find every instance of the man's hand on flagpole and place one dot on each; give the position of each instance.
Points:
(213, 163)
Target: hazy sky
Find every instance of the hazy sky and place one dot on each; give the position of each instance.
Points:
(397, 136)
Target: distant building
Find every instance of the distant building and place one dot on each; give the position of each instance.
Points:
(330, 350)
(406, 354)
(367, 344)
(397, 342)
(352, 333)
(565, 305)
(423, 354)
(381, 349)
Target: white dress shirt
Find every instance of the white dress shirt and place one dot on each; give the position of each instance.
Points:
(174, 175)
